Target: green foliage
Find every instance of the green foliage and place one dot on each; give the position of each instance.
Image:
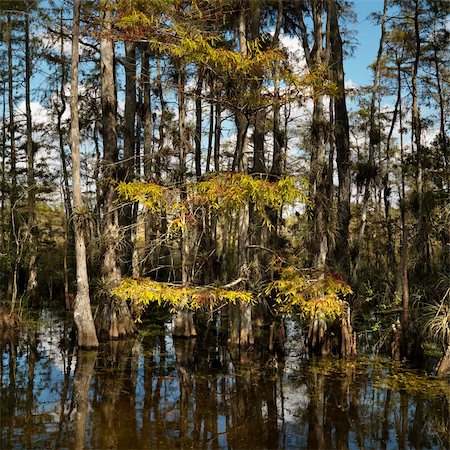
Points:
(145, 291)
(301, 293)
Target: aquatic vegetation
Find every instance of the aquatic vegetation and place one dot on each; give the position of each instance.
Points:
(384, 374)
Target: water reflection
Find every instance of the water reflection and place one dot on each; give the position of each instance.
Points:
(154, 392)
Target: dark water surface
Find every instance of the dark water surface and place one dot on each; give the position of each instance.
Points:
(155, 393)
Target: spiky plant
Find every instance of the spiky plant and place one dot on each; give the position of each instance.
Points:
(437, 319)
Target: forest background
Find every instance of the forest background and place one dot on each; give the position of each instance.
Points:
(215, 156)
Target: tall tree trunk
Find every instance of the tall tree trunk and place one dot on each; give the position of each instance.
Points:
(147, 113)
(241, 313)
(318, 173)
(3, 218)
(404, 275)
(198, 124)
(444, 147)
(279, 148)
(32, 283)
(147, 160)
(68, 238)
(183, 323)
(374, 137)
(129, 145)
(211, 128)
(111, 270)
(217, 135)
(387, 188)
(417, 132)
(342, 140)
(113, 318)
(87, 337)
(12, 284)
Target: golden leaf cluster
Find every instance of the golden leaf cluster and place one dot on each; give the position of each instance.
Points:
(223, 193)
(145, 291)
(301, 293)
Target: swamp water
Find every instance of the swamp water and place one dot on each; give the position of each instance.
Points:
(153, 392)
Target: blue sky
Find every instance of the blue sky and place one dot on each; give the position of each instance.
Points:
(368, 35)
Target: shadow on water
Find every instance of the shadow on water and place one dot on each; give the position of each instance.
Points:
(155, 392)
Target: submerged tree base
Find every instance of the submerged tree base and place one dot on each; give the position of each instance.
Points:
(113, 319)
(9, 319)
(443, 367)
(183, 324)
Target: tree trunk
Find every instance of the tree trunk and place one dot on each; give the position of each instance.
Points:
(342, 141)
(211, 128)
(32, 283)
(183, 323)
(387, 188)
(150, 223)
(129, 144)
(444, 147)
(12, 282)
(68, 232)
(87, 337)
(198, 124)
(408, 339)
(242, 312)
(217, 134)
(111, 271)
(374, 137)
(417, 132)
(113, 317)
(318, 176)
(279, 145)
(443, 367)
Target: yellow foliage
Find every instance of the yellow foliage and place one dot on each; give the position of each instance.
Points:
(151, 195)
(300, 293)
(232, 191)
(145, 291)
(223, 193)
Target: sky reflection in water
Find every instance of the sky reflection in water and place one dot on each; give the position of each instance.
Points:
(156, 393)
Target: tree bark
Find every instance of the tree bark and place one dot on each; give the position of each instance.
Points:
(111, 270)
(113, 317)
(279, 145)
(242, 312)
(183, 323)
(129, 211)
(341, 139)
(417, 133)
(198, 124)
(12, 284)
(374, 136)
(68, 239)
(32, 283)
(84, 321)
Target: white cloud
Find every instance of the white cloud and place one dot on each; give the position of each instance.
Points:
(295, 49)
(351, 85)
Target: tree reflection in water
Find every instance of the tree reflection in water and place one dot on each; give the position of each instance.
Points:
(154, 392)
